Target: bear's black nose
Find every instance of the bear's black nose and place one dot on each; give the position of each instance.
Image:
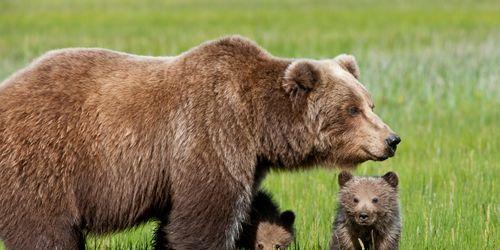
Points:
(363, 216)
(393, 140)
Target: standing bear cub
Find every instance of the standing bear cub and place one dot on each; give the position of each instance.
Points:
(267, 228)
(368, 213)
(96, 141)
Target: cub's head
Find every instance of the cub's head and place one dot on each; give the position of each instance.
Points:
(279, 234)
(368, 199)
(339, 111)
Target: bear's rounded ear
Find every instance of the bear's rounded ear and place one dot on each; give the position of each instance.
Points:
(301, 76)
(287, 218)
(348, 62)
(344, 177)
(391, 178)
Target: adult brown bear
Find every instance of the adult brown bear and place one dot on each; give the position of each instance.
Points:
(96, 141)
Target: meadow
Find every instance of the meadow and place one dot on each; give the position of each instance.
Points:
(432, 67)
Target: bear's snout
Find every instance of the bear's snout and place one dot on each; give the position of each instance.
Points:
(363, 216)
(392, 141)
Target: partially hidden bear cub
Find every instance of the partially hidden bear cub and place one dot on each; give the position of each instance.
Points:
(267, 228)
(368, 214)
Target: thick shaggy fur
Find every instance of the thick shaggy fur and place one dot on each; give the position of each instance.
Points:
(267, 227)
(93, 140)
(368, 213)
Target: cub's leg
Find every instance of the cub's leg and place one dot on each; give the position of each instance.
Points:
(341, 240)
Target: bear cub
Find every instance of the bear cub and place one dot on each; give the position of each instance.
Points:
(266, 227)
(368, 213)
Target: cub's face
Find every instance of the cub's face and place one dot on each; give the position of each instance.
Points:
(368, 199)
(340, 111)
(275, 235)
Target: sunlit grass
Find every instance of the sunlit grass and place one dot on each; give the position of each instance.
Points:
(433, 71)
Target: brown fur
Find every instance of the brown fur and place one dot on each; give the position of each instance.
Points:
(93, 140)
(368, 213)
(267, 228)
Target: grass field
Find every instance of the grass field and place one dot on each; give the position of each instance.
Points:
(433, 69)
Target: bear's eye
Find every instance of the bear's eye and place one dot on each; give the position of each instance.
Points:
(375, 200)
(260, 246)
(277, 246)
(353, 111)
(356, 200)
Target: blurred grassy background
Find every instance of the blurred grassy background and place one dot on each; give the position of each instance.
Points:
(433, 68)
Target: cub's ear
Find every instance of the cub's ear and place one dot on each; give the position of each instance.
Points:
(348, 62)
(391, 178)
(301, 76)
(287, 218)
(344, 177)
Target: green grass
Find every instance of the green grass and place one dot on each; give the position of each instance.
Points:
(433, 69)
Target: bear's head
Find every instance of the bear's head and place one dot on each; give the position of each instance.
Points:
(279, 234)
(367, 200)
(339, 111)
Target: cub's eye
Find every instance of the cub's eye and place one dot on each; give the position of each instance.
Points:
(353, 111)
(277, 246)
(260, 246)
(375, 200)
(356, 200)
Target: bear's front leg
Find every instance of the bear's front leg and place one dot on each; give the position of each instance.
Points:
(341, 240)
(44, 233)
(207, 211)
(389, 242)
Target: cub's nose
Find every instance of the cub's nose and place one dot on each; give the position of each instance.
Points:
(363, 216)
(393, 140)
